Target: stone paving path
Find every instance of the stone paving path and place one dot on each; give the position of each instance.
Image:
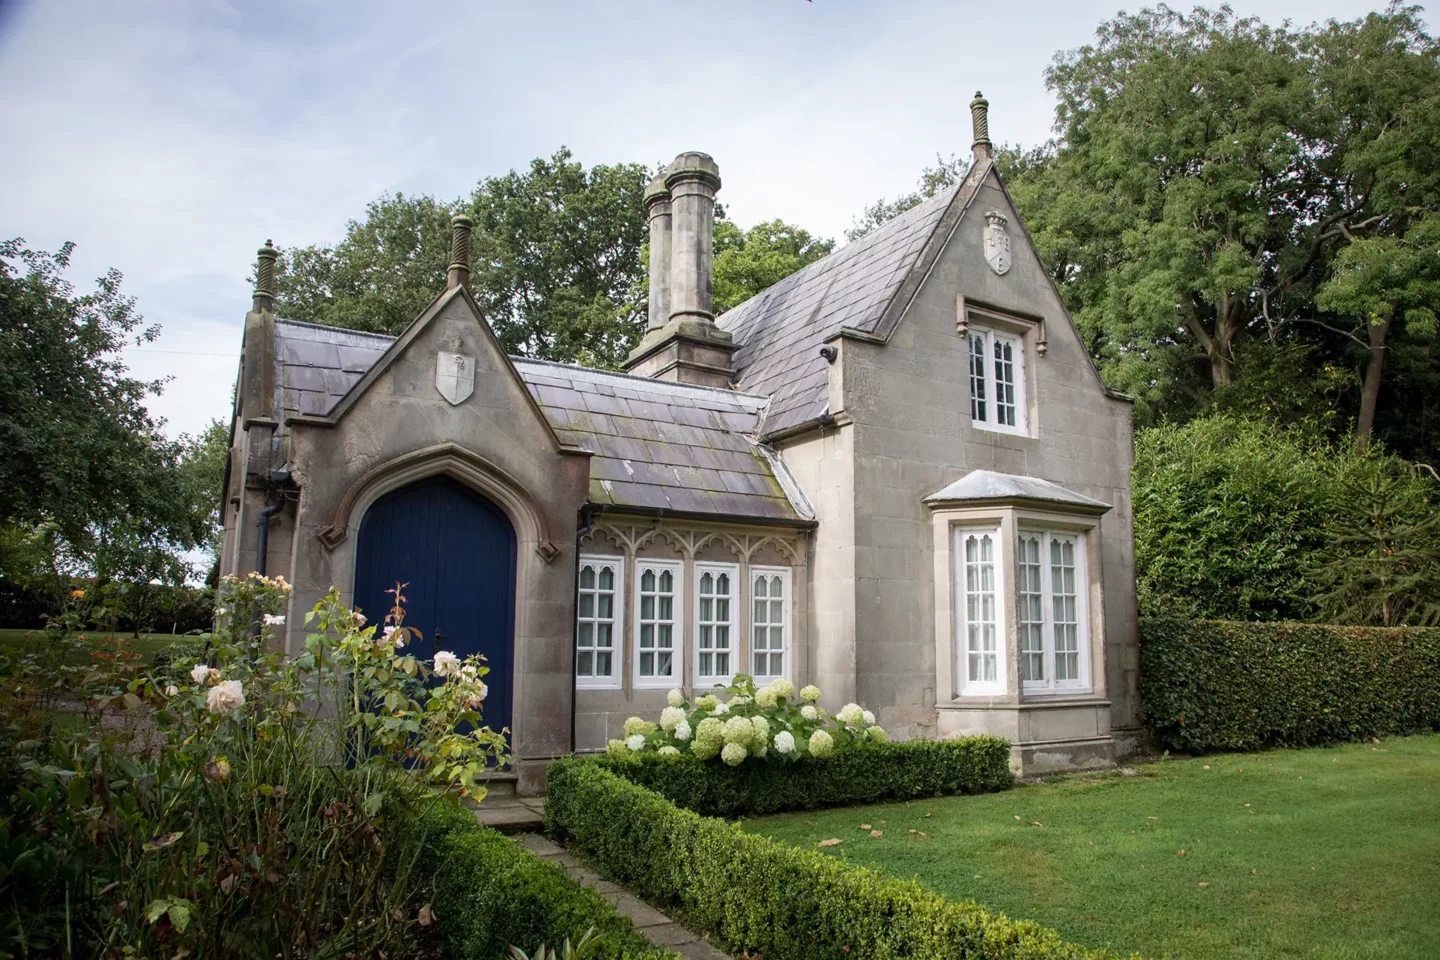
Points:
(651, 923)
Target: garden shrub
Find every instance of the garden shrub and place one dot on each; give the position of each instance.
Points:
(867, 773)
(1240, 519)
(769, 898)
(765, 724)
(1220, 685)
(491, 893)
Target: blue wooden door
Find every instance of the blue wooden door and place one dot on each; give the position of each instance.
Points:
(456, 550)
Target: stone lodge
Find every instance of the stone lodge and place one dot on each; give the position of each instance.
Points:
(895, 474)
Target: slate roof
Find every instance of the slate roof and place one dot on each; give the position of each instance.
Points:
(989, 485)
(657, 445)
(315, 366)
(666, 446)
(780, 330)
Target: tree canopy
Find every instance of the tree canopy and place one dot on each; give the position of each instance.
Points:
(89, 478)
(1233, 210)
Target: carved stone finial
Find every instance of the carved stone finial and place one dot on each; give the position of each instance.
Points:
(980, 120)
(458, 275)
(266, 258)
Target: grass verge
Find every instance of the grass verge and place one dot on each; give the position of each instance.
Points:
(1322, 853)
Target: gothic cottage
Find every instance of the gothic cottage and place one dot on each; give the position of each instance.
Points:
(895, 474)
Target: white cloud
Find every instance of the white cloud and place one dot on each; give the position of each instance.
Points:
(169, 139)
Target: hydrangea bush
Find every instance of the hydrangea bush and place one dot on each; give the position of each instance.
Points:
(770, 722)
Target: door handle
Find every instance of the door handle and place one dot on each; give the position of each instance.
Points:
(435, 639)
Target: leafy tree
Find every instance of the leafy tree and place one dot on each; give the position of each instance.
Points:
(203, 460)
(748, 261)
(87, 470)
(1216, 166)
(1383, 567)
(1378, 280)
(555, 257)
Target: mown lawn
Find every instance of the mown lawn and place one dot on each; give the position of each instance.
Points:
(1329, 853)
(147, 645)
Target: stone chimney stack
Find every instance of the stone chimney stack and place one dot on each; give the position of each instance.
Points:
(459, 273)
(682, 342)
(980, 120)
(657, 207)
(692, 179)
(266, 258)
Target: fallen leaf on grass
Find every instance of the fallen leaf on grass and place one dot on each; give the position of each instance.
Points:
(1254, 873)
(426, 916)
(877, 833)
(1207, 766)
(1182, 853)
(832, 842)
(1247, 804)
(1204, 883)
(865, 826)
(929, 815)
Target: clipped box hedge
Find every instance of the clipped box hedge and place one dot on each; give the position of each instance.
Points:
(1220, 685)
(490, 893)
(775, 900)
(867, 773)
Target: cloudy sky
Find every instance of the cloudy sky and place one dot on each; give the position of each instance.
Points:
(169, 139)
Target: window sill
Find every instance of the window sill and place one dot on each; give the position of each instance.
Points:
(1004, 431)
(656, 683)
(603, 685)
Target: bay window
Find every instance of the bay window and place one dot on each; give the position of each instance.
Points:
(981, 625)
(1054, 637)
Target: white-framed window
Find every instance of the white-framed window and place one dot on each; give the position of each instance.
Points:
(598, 651)
(980, 625)
(716, 653)
(997, 380)
(658, 646)
(1054, 630)
(769, 622)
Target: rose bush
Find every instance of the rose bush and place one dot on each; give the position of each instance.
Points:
(245, 804)
(763, 723)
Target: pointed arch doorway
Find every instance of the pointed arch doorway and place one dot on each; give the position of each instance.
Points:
(456, 550)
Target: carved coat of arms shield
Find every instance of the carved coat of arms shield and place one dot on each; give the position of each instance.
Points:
(454, 376)
(997, 242)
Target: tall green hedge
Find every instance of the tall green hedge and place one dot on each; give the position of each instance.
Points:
(867, 773)
(490, 893)
(1220, 685)
(772, 899)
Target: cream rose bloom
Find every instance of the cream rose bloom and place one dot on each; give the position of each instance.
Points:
(200, 672)
(446, 663)
(225, 697)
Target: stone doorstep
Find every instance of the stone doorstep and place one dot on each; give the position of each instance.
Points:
(654, 925)
(508, 815)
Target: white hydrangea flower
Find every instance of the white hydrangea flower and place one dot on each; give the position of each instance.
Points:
(738, 730)
(869, 719)
(850, 713)
(759, 733)
(766, 698)
(670, 718)
(809, 712)
(226, 697)
(446, 663)
(708, 702)
(733, 754)
(811, 693)
(682, 731)
(739, 701)
(615, 746)
(785, 742)
(721, 709)
(821, 744)
(675, 697)
(274, 621)
(782, 687)
(878, 734)
(635, 741)
(668, 751)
